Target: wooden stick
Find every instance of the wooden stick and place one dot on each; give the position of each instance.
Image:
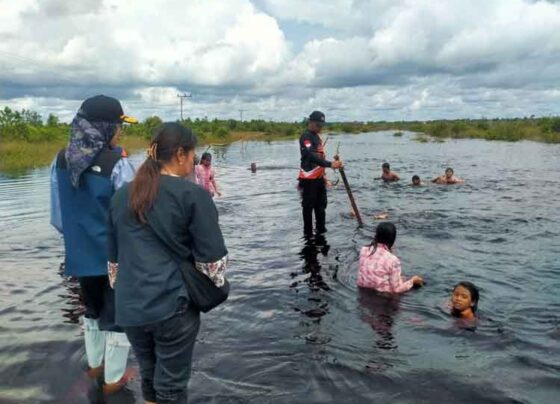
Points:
(348, 190)
(351, 197)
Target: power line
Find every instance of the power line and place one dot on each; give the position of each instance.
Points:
(241, 114)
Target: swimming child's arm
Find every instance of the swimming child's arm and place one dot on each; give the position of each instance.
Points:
(396, 281)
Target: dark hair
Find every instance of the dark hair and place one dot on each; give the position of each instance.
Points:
(205, 156)
(168, 138)
(449, 169)
(473, 290)
(385, 233)
(415, 177)
(386, 165)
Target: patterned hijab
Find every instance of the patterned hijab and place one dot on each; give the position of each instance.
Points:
(86, 141)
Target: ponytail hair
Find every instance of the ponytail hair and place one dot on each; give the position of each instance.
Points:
(167, 140)
(385, 233)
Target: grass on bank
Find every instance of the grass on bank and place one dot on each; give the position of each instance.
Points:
(25, 142)
(18, 156)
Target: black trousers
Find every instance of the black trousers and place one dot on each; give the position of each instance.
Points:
(99, 301)
(164, 351)
(313, 199)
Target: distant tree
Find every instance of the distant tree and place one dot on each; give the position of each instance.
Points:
(152, 123)
(31, 117)
(555, 125)
(52, 120)
(9, 117)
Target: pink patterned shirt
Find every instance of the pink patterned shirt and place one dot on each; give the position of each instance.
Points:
(381, 271)
(205, 175)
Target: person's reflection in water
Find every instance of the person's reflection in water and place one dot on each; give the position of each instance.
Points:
(73, 297)
(379, 312)
(311, 265)
(314, 245)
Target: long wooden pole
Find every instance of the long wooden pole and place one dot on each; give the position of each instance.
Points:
(351, 197)
(348, 190)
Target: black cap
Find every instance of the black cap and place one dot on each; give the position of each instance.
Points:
(105, 109)
(317, 116)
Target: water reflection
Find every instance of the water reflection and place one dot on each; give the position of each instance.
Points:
(501, 232)
(75, 306)
(379, 312)
(313, 246)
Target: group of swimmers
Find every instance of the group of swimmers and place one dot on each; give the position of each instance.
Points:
(449, 177)
(380, 269)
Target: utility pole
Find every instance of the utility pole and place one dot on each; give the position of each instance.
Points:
(181, 97)
(241, 114)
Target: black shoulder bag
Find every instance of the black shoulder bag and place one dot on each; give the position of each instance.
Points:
(203, 293)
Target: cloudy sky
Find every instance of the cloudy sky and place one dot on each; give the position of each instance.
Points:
(280, 59)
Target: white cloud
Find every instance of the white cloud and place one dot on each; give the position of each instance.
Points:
(402, 58)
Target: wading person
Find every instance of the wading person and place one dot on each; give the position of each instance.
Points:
(206, 175)
(312, 179)
(379, 268)
(84, 176)
(157, 224)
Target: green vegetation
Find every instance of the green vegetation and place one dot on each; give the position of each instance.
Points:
(26, 141)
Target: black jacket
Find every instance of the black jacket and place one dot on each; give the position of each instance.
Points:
(312, 153)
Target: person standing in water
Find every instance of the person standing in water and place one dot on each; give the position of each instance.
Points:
(159, 224)
(84, 176)
(448, 178)
(206, 175)
(312, 180)
(379, 268)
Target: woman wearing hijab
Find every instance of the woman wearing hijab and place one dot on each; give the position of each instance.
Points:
(84, 176)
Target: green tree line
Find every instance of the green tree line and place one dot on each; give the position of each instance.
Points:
(29, 126)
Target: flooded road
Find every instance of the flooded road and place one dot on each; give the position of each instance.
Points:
(295, 328)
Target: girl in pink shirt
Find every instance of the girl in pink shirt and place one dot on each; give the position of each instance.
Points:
(379, 268)
(206, 176)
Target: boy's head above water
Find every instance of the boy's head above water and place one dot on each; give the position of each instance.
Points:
(464, 300)
(449, 172)
(416, 180)
(385, 167)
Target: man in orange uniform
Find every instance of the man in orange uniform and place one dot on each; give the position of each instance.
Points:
(312, 174)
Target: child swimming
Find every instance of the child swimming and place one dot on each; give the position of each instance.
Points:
(464, 301)
(387, 175)
(416, 181)
(448, 178)
(206, 176)
(379, 268)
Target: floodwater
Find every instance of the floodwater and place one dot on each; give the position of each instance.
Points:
(295, 328)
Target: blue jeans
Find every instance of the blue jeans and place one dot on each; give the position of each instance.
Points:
(164, 351)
